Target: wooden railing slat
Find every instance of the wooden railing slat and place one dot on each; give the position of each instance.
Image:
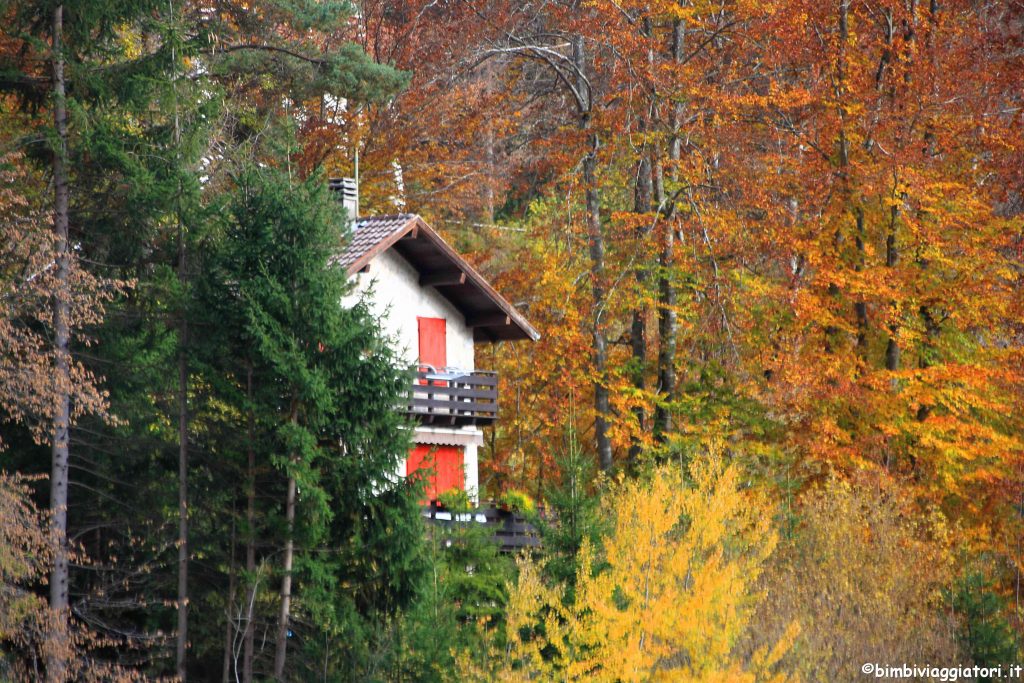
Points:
(471, 398)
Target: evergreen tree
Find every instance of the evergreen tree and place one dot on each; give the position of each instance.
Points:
(575, 514)
(157, 97)
(985, 632)
(462, 598)
(77, 82)
(320, 386)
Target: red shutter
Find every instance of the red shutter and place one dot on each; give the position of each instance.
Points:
(447, 463)
(433, 342)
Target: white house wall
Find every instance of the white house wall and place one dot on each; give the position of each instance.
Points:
(398, 299)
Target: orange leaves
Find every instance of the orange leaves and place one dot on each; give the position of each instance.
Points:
(29, 388)
(843, 203)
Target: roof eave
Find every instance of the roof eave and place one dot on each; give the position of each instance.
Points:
(420, 229)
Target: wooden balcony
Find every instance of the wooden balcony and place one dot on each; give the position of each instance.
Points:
(454, 398)
(509, 529)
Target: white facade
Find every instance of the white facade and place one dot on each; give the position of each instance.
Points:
(397, 298)
(392, 289)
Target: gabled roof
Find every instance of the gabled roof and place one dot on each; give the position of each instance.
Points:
(487, 312)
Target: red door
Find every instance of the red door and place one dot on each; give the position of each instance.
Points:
(433, 342)
(447, 463)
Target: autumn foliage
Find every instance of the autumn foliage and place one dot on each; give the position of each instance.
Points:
(775, 252)
(810, 220)
(666, 596)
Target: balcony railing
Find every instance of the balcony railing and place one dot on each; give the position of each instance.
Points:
(454, 397)
(508, 528)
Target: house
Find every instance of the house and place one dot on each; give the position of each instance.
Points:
(437, 308)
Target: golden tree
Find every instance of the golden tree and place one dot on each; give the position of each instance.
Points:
(667, 597)
(863, 573)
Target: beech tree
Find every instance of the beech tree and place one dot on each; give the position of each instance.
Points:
(817, 210)
(863, 575)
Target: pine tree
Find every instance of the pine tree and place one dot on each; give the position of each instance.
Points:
(575, 500)
(324, 386)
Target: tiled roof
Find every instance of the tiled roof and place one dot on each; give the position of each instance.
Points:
(370, 232)
(491, 317)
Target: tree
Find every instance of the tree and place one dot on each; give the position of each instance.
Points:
(152, 90)
(66, 40)
(26, 622)
(324, 386)
(28, 285)
(462, 600)
(575, 519)
(863, 574)
(667, 595)
(984, 630)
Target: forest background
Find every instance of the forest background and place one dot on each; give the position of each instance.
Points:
(775, 250)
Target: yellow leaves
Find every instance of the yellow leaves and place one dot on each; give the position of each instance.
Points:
(131, 41)
(667, 596)
(861, 571)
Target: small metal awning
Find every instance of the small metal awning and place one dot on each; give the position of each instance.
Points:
(491, 317)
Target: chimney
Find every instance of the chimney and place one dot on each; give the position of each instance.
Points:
(348, 192)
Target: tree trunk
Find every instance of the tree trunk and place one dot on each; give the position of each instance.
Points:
(55, 668)
(281, 650)
(181, 644)
(666, 291)
(250, 541)
(229, 627)
(892, 256)
(860, 308)
(181, 641)
(638, 330)
(595, 236)
(642, 197)
(832, 331)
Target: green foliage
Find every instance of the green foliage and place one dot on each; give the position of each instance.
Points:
(462, 599)
(985, 632)
(574, 500)
(326, 384)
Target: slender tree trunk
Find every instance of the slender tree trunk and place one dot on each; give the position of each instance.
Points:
(832, 331)
(281, 650)
(250, 540)
(892, 256)
(666, 290)
(892, 349)
(860, 308)
(638, 330)
(229, 627)
(55, 668)
(595, 235)
(181, 644)
(642, 197)
(181, 641)
(600, 345)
